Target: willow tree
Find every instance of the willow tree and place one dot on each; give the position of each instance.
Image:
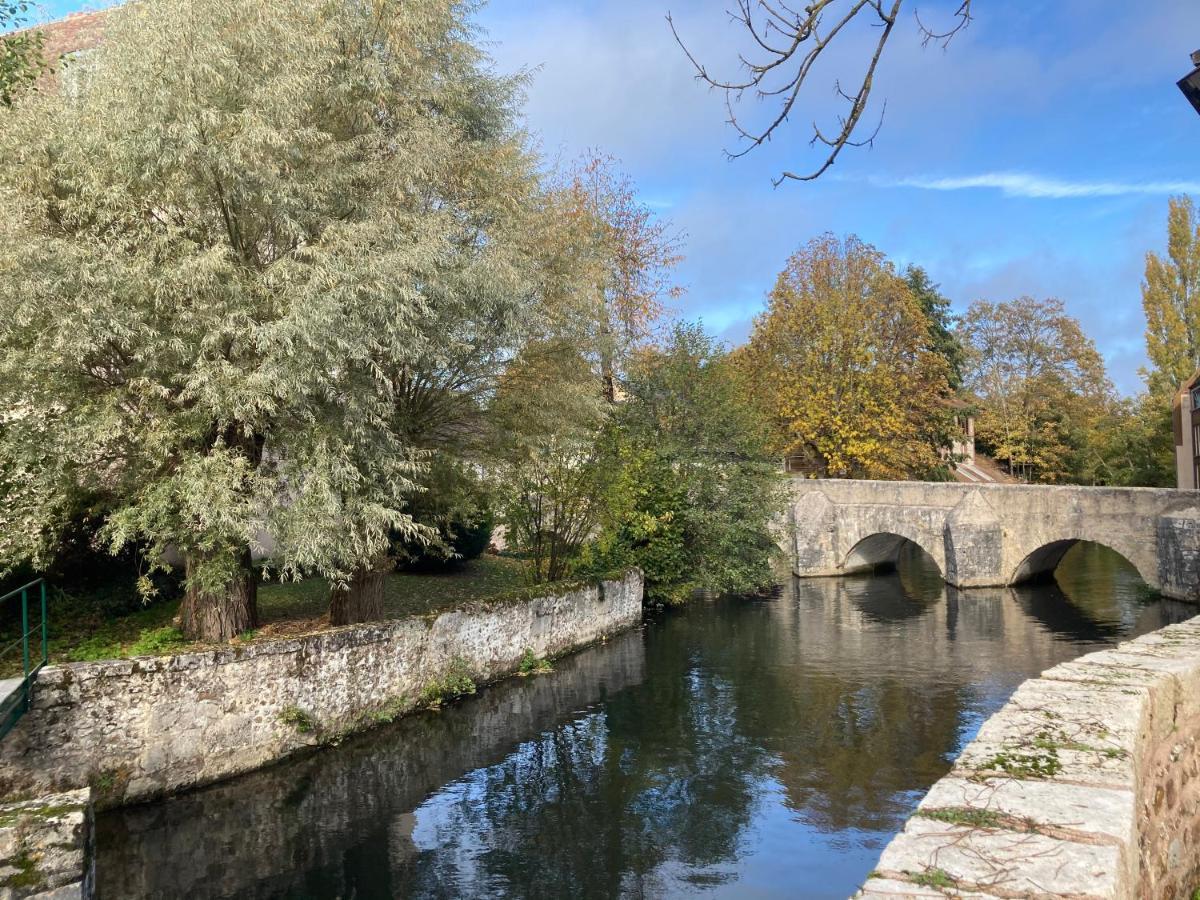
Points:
(1171, 301)
(842, 362)
(218, 256)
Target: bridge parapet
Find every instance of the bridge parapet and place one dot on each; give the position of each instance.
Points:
(986, 535)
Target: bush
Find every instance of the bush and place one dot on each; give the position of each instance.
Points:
(690, 491)
(454, 504)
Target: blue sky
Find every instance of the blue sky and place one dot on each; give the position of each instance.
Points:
(1034, 156)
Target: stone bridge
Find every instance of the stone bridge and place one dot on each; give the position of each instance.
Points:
(986, 535)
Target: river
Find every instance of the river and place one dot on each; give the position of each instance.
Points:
(748, 748)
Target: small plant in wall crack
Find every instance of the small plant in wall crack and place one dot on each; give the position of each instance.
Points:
(455, 682)
(533, 665)
(298, 719)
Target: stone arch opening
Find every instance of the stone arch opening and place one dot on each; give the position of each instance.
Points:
(1041, 563)
(880, 552)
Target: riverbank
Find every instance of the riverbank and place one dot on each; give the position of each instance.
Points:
(105, 618)
(1086, 783)
(136, 729)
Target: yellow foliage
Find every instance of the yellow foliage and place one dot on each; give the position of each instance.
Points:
(841, 360)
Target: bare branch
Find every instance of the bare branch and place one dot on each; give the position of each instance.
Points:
(790, 42)
(962, 14)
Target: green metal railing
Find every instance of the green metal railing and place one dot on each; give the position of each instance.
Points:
(16, 691)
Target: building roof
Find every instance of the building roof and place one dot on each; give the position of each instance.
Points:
(77, 32)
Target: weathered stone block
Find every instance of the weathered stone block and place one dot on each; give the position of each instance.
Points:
(1005, 863)
(974, 539)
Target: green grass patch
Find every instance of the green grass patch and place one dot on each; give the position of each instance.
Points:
(935, 878)
(110, 621)
(404, 594)
(973, 818)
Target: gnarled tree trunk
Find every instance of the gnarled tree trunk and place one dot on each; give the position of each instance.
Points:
(220, 615)
(361, 598)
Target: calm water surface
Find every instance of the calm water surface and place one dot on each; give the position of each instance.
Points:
(735, 748)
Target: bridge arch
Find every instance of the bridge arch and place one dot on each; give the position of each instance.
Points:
(883, 547)
(1044, 559)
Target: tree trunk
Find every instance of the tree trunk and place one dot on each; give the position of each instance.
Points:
(224, 614)
(361, 599)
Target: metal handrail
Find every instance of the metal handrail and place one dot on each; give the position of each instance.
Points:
(16, 702)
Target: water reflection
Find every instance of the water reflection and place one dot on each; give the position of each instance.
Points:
(740, 748)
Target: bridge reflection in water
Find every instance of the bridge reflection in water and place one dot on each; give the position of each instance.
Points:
(734, 748)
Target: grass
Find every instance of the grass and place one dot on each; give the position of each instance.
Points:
(108, 621)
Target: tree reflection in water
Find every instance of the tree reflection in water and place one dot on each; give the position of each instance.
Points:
(762, 747)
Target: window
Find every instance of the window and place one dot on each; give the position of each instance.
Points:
(1196, 440)
(1196, 398)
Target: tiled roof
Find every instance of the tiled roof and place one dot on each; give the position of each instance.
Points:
(77, 32)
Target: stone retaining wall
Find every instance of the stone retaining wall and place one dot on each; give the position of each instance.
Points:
(47, 848)
(140, 728)
(1085, 785)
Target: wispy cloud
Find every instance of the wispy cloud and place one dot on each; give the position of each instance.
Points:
(1019, 184)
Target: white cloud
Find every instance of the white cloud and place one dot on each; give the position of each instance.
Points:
(1019, 184)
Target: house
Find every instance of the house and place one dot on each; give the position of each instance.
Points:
(1185, 416)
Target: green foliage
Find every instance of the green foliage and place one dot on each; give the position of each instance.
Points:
(1132, 446)
(21, 61)
(455, 682)
(943, 339)
(1171, 302)
(94, 648)
(934, 877)
(970, 816)
(158, 642)
(533, 665)
(690, 489)
(456, 508)
(303, 722)
(547, 417)
(208, 300)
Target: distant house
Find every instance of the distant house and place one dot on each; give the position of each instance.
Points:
(1185, 415)
(66, 42)
(77, 33)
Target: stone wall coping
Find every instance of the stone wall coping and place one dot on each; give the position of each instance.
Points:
(1083, 785)
(961, 487)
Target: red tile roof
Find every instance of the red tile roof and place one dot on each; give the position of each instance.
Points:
(78, 31)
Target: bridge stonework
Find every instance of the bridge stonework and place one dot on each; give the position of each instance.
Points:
(988, 535)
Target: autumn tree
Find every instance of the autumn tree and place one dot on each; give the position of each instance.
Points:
(629, 254)
(1171, 301)
(218, 258)
(1041, 386)
(842, 361)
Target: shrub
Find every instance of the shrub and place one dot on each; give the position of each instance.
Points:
(456, 506)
